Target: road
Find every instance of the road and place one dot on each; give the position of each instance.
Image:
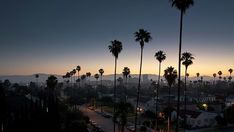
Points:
(105, 123)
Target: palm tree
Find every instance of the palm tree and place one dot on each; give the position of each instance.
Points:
(96, 76)
(182, 6)
(170, 75)
(51, 84)
(187, 60)
(160, 56)
(37, 76)
(126, 72)
(115, 48)
(230, 71)
(214, 75)
(101, 71)
(74, 73)
(142, 36)
(88, 74)
(230, 77)
(220, 73)
(78, 68)
(83, 77)
(197, 74)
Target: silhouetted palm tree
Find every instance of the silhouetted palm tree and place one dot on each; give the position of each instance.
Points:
(142, 36)
(214, 75)
(170, 75)
(101, 71)
(187, 60)
(78, 68)
(182, 6)
(83, 77)
(37, 76)
(160, 56)
(115, 48)
(197, 74)
(126, 72)
(74, 74)
(230, 77)
(220, 75)
(88, 74)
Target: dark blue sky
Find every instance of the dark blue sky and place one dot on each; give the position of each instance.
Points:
(53, 36)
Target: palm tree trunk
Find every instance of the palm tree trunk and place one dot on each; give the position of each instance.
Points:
(115, 90)
(179, 71)
(138, 89)
(185, 98)
(169, 104)
(156, 108)
(125, 89)
(101, 89)
(79, 78)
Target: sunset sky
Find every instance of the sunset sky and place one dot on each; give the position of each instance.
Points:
(54, 36)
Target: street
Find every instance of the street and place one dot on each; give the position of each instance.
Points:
(105, 123)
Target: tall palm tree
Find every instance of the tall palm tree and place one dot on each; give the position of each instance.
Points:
(78, 68)
(74, 73)
(160, 56)
(101, 71)
(96, 76)
(88, 74)
(214, 75)
(142, 36)
(182, 6)
(230, 77)
(37, 76)
(83, 77)
(187, 60)
(126, 72)
(220, 75)
(115, 48)
(230, 71)
(197, 74)
(170, 75)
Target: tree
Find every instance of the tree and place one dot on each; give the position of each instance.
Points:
(88, 74)
(101, 71)
(170, 75)
(78, 68)
(142, 36)
(96, 76)
(220, 75)
(83, 77)
(122, 110)
(230, 77)
(126, 72)
(160, 56)
(187, 60)
(214, 75)
(115, 48)
(182, 6)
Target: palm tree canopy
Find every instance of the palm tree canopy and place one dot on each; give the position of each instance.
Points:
(96, 76)
(170, 75)
(160, 56)
(101, 71)
(187, 59)
(88, 74)
(68, 75)
(37, 75)
(142, 36)
(187, 74)
(74, 71)
(182, 5)
(115, 48)
(51, 82)
(230, 70)
(78, 68)
(198, 74)
(214, 75)
(220, 73)
(83, 77)
(126, 71)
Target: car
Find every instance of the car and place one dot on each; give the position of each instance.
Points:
(107, 115)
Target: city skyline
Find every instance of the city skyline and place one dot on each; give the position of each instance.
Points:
(54, 37)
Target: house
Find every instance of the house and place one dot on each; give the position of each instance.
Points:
(199, 119)
(229, 101)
